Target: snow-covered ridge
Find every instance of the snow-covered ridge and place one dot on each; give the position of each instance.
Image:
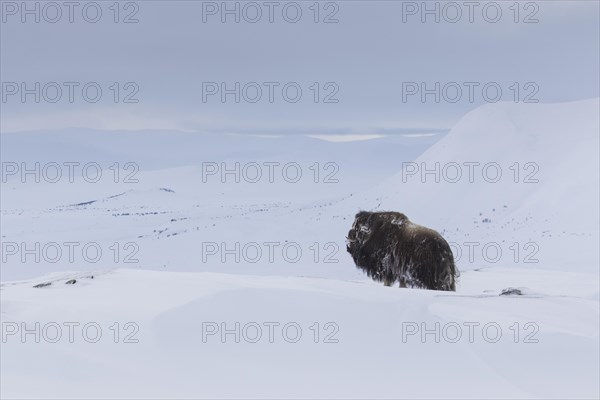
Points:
(547, 191)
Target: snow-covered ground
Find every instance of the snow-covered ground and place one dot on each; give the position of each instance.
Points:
(368, 341)
(186, 256)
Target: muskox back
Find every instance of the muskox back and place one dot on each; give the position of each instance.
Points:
(390, 248)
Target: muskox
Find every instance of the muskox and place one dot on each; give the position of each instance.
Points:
(390, 248)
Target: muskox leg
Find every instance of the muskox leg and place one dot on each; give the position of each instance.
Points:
(402, 283)
(388, 282)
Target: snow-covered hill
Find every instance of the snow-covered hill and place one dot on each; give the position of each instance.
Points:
(510, 173)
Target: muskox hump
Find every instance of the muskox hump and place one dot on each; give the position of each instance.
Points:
(389, 248)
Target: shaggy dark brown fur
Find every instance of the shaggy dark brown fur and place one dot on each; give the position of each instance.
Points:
(390, 248)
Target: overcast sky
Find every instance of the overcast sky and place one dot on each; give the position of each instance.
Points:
(180, 51)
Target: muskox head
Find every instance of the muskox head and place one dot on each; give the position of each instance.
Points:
(366, 223)
(368, 234)
(358, 232)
